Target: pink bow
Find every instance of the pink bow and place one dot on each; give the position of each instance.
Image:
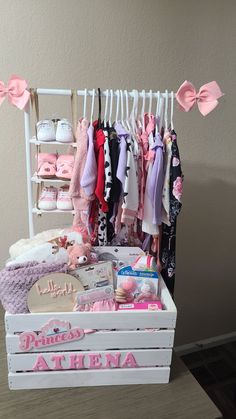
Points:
(15, 91)
(206, 98)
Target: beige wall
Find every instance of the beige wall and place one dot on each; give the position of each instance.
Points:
(139, 44)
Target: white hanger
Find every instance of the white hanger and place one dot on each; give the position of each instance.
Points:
(150, 103)
(122, 107)
(157, 109)
(143, 109)
(92, 106)
(127, 110)
(106, 108)
(160, 112)
(85, 102)
(166, 109)
(172, 110)
(111, 106)
(117, 104)
(133, 111)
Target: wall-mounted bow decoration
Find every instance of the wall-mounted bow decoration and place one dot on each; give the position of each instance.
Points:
(15, 91)
(206, 98)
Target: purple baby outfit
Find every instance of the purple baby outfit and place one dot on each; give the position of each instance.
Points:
(122, 135)
(157, 179)
(89, 177)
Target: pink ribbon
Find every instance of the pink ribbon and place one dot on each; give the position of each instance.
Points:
(206, 98)
(15, 91)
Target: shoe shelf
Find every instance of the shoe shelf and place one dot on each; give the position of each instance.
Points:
(36, 142)
(40, 212)
(36, 179)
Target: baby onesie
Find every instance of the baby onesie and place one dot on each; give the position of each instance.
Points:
(166, 185)
(122, 135)
(131, 195)
(156, 181)
(147, 224)
(99, 149)
(169, 231)
(80, 200)
(89, 176)
(107, 167)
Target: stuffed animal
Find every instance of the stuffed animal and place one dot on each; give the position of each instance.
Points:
(79, 254)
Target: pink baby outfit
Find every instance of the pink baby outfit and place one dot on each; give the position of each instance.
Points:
(80, 200)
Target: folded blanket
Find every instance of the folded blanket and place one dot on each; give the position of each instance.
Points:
(17, 280)
(23, 245)
(42, 253)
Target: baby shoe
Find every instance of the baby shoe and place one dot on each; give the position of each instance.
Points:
(46, 165)
(48, 199)
(64, 131)
(64, 201)
(65, 164)
(46, 130)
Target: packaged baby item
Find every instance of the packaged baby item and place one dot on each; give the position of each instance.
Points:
(95, 294)
(97, 299)
(136, 285)
(93, 276)
(119, 256)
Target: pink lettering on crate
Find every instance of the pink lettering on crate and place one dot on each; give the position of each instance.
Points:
(81, 361)
(53, 333)
(94, 361)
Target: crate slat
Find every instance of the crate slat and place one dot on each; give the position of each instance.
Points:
(56, 379)
(143, 357)
(106, 340)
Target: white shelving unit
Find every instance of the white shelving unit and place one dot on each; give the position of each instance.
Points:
(31, 140)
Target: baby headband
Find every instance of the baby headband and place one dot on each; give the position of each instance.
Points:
(206, 98)
(16, 92)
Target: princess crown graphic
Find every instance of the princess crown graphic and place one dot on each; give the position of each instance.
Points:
(54, 327)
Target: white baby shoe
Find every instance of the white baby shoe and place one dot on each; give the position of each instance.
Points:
(64, 201)
(46, 130)
(64, 131)
(48, 199)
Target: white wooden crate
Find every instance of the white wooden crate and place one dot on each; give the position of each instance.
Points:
(150, 349)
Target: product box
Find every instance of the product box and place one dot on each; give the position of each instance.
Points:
(96, 294)
(119, 256)
(142, 279)
(97, 275)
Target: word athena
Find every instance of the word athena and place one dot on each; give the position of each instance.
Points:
(78, 361)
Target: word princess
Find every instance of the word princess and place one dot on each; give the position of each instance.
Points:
(53, 333)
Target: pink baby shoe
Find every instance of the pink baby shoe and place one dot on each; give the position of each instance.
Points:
(46, 165)
(48, 199)
(65, 164)
(64, 201)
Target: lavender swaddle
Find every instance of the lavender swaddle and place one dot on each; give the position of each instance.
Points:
(17, 280)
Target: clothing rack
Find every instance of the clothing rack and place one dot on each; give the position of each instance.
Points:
(32, 140)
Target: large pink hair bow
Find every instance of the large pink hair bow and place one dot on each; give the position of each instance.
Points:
(15, 91)
(206, 98)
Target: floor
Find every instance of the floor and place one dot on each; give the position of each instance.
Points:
(215, 370)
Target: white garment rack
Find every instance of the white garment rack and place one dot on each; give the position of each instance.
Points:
(30, 139)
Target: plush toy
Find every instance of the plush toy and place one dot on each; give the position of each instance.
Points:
(79, 254)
